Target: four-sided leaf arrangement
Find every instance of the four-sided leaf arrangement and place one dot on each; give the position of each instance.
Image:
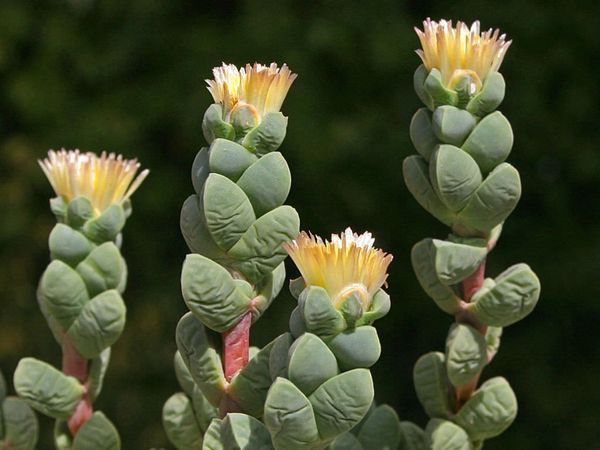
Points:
(311, 386)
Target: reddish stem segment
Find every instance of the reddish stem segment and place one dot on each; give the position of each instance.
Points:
(473, 282)
(75, 365)
(236, 342)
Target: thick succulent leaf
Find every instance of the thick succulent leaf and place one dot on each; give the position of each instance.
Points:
(490, 411)
(63, 293)
(490, 96)
(98, 368)
(423, 261)
(200, 170)
(421, 133)
(310, 363)
(68, 245)
(412, 437)
(267, 289)
(490, 142)
(99, 325)
(98, 433)
(249, 387)
(212, 437)
(512, 297)
(342, 401)
(267, 183)
(346, 441)
(440, 95)
(268, 135)
(297, 285)
(195, 232)
(227, 210)
(320, 316)
(229, 159)
(278, 357)
(213, 125)
(419, 85)
(289, 417)
(445, 435)
(102, 269)
(492, 340)
(494, 200)
(199, 351)
(454, 262)
(454, 175)
(79, 211)
(240, 431)
(296, 323)
(204, 411)
(211, 294)
(452, 125)
(466, 354)
(107, 226)
(380, 430)
(356, 347)
(46, 389)
(179, 423)
(183, 375)
(432, 386)
(20, 425)
(259, 250)
(380, 306)
(416, 176)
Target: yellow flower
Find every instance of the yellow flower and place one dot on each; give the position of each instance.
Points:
(461, 51)
(104, 180)
(346, 265)
(263, 87)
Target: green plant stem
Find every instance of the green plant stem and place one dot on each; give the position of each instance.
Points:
(75, 365)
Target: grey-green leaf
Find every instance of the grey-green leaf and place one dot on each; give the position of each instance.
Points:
(320, 316)
(268, 135)
(445, 435)
(98, 433)
(412, 437)
(490, 142)
(102, 269)
(243, 432)
(229, 159)
(454, 262)
(381, 429)
(68, 245)
(452, 125)
(466, 354)
(310, 363)
(421, 133)
(431, 384)
(20, 425)
(180, 423)
(356, 348)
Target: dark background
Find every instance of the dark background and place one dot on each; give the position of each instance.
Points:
(127, 76)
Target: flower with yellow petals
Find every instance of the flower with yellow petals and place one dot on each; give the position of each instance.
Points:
(104, 180)
(461, 51)
(347, 265)
(260, 86)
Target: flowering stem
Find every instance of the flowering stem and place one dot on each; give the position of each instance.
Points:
(470, 285)
(75, 365)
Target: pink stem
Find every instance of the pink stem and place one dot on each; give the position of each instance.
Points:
(75, 365)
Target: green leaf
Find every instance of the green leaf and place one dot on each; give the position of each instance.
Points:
(179, 423)
(440, 95)
(249, 386)
(229, 159)
(381, 429)
(183, 375)
(296, 323)
(342, 401)
(239, 431)
(490, 411)
(310, 363)
(297, 285)
(227, 210)
(204, 411)
(490, 96)
(432, 386)
(99, 325)
(267, 183)
(20, 425)
(490, 142)
(260, 251)
(421, 133)
(107, 226)
(511, 298)
(320, 316)
(356, 348)
(79, 211)
(423, 262)
(267, 289)
(380, 306)
(452, 125)
(454, 262)
(268, 135)
(346, 441)
(68, 245)
(416, 176)
(46, 389)
(455, 176)
(98, 433)
(212, 437)
(97, 370)
(411, 437)
(466, 354)
(445, 435)
(211, 294)
(289, 416)
(492, 340)
(102, 269)
(58, 206)
(200, 170)
(213, 125)
(419, 85)
(494, 200)
(63, 293)
(200, 354)
(278, 357)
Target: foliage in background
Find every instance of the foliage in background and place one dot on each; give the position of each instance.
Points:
(128, 77)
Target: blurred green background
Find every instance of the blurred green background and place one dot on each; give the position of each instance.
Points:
(127, 76)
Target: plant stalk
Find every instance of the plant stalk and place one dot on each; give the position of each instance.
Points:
(75, 365)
